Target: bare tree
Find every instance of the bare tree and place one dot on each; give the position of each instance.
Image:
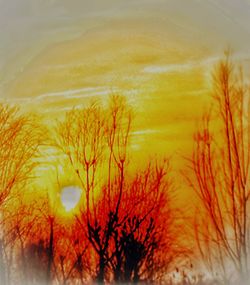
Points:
(20, 139)
(147, 227)
(81, 138)
(127, 220)
(19, 142)
(220, 164)
(72, 257)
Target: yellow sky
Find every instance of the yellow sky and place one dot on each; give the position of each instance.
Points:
(159, 54)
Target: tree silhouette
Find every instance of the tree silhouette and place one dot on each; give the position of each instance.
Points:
(19, 142)
(123, 217)
(20, 139)
(220, 163)
(85, 137)
(146, 227)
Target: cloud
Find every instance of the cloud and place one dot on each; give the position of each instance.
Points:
(86, 92)
(75, 93)
(145, 132)
(182, 67)
(179, 67)
(168, 68)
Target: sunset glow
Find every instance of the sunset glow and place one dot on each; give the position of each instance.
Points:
(125, 142)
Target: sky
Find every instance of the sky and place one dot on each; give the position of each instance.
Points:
(56, 54)
(28, 27)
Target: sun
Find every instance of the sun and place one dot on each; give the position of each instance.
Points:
(70, 197)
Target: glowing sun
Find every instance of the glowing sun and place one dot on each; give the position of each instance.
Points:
(70, 196)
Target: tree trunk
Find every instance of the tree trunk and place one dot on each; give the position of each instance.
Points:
(101, 274)
(50, 252)
(2, 266)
